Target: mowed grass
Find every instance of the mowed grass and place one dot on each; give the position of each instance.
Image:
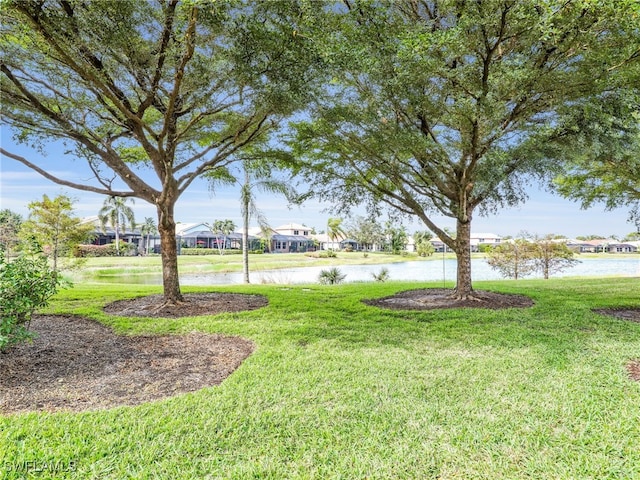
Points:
(338, 389)
(95, 268)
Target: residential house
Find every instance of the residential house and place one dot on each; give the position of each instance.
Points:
(608, 245)
(325, 243)
(199, 235)
(290, 238)
(108, 234)
(439, 246)
(484, 239)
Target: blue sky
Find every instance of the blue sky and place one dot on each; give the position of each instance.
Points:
(543, 213)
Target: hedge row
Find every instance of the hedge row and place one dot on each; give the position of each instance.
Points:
(108, 250)
(209, 251)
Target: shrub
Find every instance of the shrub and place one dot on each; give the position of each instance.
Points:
(425, 248)
(198, 251)
(209, 251)
(327, 254)
(95, 250)
(26, 284)
(382, 275)
(108, 250)
(331, 276)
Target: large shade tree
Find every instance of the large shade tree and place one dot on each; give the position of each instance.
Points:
(431, 103)
(601, 137)
(151, 94)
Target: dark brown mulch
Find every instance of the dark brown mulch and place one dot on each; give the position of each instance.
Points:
(438, 298)
(633, 367)
(631, 314)
(78, 364)
(194, 304)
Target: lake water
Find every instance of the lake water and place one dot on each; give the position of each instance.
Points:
(426, 271)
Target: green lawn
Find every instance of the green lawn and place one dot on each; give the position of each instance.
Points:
(338, 389)
(96, 268)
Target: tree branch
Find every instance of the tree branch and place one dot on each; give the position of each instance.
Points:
(66, 183)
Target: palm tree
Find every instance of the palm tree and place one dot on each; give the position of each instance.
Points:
(223, 227)
(147, 229)
(257, 176)
(334, 229)
(117, 213)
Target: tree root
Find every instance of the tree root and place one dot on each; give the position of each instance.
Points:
(168, 304)
(464, 297)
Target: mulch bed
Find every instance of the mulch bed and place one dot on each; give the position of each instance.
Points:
(625, 313)
(438, 298)
(194, 304)
(78, 364)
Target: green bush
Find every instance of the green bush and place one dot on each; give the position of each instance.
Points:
(382, 276)
(108, 250)
(26, 284)
(209, 251)
(331, 276)
(327, 254)
(198, 251)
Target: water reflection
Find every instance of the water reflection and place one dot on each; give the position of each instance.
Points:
(426, 271)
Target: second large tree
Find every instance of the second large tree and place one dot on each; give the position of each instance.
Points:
(432, 106)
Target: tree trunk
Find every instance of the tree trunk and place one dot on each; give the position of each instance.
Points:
(169, 254)
(117, 228)
(245, 240)
(464, 290)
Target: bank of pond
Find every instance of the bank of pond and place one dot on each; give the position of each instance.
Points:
(436, 270)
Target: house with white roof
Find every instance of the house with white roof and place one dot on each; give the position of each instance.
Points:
(478, 239)
(293, 229)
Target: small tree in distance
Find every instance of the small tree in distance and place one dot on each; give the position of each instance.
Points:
(224, 228)
(117, 213)
(9, 227)
(523, 256)
(423, 244)
(147, 229)
(54, 229)
(512, 259)
(366, 232)
(551, 257)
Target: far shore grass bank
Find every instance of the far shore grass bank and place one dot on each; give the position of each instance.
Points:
(232, 263)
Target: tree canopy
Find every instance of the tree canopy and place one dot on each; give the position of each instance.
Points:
(601, 140)
(150, 94)
(433, 107)
(54, 228)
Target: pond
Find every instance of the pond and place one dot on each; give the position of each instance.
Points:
(426, 271)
